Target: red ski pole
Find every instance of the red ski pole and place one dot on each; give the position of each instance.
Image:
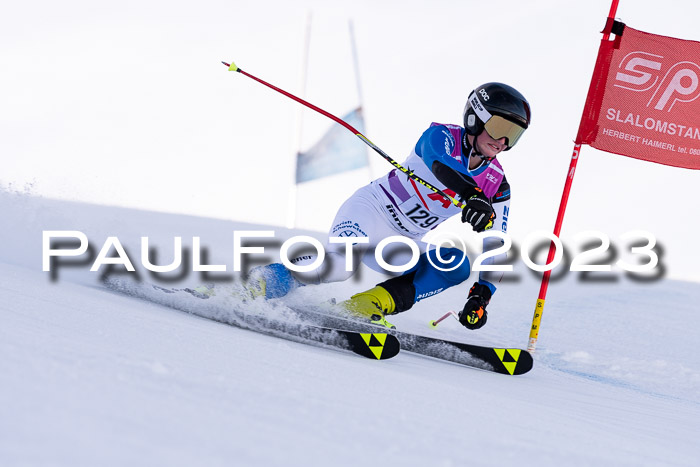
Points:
(232, 67)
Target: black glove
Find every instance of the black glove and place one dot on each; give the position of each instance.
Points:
(478, 212)
(474, 315)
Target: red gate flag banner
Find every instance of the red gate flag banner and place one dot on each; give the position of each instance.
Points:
(644, 99)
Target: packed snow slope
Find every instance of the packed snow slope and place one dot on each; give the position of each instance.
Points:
(90, 377)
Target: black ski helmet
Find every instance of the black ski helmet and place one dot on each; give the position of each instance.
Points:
(497, 100)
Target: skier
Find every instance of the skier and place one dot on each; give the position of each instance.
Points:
(460, 161)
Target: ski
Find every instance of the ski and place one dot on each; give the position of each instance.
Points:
(372, 343)
(507, 361)
(502, 360)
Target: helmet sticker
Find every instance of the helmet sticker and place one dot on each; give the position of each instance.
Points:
(480, 110)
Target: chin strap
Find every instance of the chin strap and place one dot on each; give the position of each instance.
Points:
(472, 151)
(467, 148)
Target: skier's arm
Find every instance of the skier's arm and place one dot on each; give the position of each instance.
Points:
(435, 147)
(474, 315)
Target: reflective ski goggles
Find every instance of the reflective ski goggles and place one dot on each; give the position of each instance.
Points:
(498, 127)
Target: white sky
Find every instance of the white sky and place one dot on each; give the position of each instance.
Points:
(127, 104)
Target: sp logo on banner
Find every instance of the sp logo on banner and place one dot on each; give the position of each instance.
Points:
(644, 99)
(643, 72)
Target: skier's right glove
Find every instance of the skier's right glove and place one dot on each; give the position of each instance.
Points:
(478, 212)
(473, 315)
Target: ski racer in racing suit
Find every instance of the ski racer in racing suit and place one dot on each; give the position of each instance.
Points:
(460, 161)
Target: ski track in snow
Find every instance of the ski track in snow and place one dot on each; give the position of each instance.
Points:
(92, 377)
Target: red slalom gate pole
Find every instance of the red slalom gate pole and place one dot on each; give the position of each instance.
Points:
(535, 329)
(537, 318)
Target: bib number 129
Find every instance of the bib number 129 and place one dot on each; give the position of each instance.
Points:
(421, 216)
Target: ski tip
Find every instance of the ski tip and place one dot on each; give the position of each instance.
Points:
(514, 361)
(375, 346)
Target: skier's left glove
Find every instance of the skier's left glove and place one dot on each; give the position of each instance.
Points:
(473, 315)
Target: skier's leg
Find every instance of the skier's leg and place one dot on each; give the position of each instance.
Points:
(428, 277)
(276, 280)
(356, 218)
